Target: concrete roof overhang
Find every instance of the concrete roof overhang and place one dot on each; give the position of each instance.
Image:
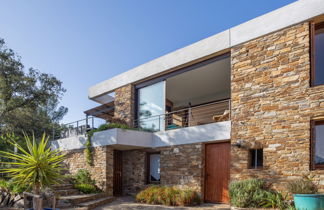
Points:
(291, 14)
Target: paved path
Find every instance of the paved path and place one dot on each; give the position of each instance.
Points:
(127, 203)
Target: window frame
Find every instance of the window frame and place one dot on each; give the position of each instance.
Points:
(313, 165)
(250, 159)
(148, 168)
(312, 30)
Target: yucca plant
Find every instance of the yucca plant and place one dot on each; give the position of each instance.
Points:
(37, 166)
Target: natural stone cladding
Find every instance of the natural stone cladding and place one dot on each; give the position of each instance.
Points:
(101, 171)
(272, 105)
(180, 165)
(124, 104)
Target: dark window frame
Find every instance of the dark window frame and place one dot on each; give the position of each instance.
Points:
(313, 165)
(250, 166)
(148, 168)
(313, 27)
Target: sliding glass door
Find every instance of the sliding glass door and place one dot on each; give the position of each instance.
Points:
(151, 107)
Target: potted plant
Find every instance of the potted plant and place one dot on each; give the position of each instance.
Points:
(305, 194)
(37, 166)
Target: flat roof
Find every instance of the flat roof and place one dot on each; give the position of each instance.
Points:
(283, 17)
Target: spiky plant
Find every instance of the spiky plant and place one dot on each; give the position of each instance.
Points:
(37, 166)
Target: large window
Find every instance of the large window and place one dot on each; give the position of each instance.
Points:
(153, 167)
(151, 106)
(317, 144)
(317, 54)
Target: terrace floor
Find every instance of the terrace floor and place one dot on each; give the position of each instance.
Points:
(126, 203)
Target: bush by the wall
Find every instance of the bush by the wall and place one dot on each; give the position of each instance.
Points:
(83, 182)
(254, 193)
(83, 176)
(249, 193)
(302, 186)
(86, 188)
(277, 200)
(170, 196)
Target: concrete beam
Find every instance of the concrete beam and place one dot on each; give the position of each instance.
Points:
(132, 139)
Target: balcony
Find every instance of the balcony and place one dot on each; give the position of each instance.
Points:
(193, 116)
(203, 123)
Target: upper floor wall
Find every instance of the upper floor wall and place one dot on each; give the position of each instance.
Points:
(291, 14)
(273, 105)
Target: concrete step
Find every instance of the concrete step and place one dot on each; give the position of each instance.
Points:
(77, 199)
(67, 192)
(95, 203)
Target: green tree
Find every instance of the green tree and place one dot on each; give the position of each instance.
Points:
(29, 99)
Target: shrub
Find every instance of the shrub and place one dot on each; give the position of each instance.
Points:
(170, 196)
(302, 186)
(83, 177)
(82, 181)
(104, 127)
(10, 186)
(249, 193)
(86, 188)
(10, 193)
(277, 200)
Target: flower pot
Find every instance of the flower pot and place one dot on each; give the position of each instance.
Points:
(309, 201)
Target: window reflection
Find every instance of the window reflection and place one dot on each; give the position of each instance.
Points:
(151, 107)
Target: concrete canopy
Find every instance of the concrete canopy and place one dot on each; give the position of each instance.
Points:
(291, 14)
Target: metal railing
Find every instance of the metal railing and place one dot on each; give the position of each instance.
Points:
(79, 127)
(198, 115)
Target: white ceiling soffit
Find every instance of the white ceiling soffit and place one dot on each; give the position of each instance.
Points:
(210, 82)
(283, 17)
(104, 99)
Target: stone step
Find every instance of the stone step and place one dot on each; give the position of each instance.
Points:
(77, 199)
(95, 203)
(67, 192)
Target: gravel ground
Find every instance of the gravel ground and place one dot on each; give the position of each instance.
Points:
(126, 203)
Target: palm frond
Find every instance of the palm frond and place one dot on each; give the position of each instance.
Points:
(37, 165)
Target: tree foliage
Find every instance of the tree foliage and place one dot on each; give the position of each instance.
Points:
(29, 99)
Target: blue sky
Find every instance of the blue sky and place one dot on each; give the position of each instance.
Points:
(84, 42)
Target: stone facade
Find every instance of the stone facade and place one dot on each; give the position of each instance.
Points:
(102, 169)
(272, 105)
(134, 171)
(180, 165)
(124, 104)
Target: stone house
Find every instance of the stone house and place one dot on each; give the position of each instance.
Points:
(245, 103)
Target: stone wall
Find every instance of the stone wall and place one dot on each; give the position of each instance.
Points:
(180, 165)
(134, 171)
(102, 169)
(124, 104)
(272, 105)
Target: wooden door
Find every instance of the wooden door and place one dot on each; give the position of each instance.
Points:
(118, 164)
(217, 172)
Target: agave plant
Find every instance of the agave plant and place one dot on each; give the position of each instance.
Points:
(37, 166)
